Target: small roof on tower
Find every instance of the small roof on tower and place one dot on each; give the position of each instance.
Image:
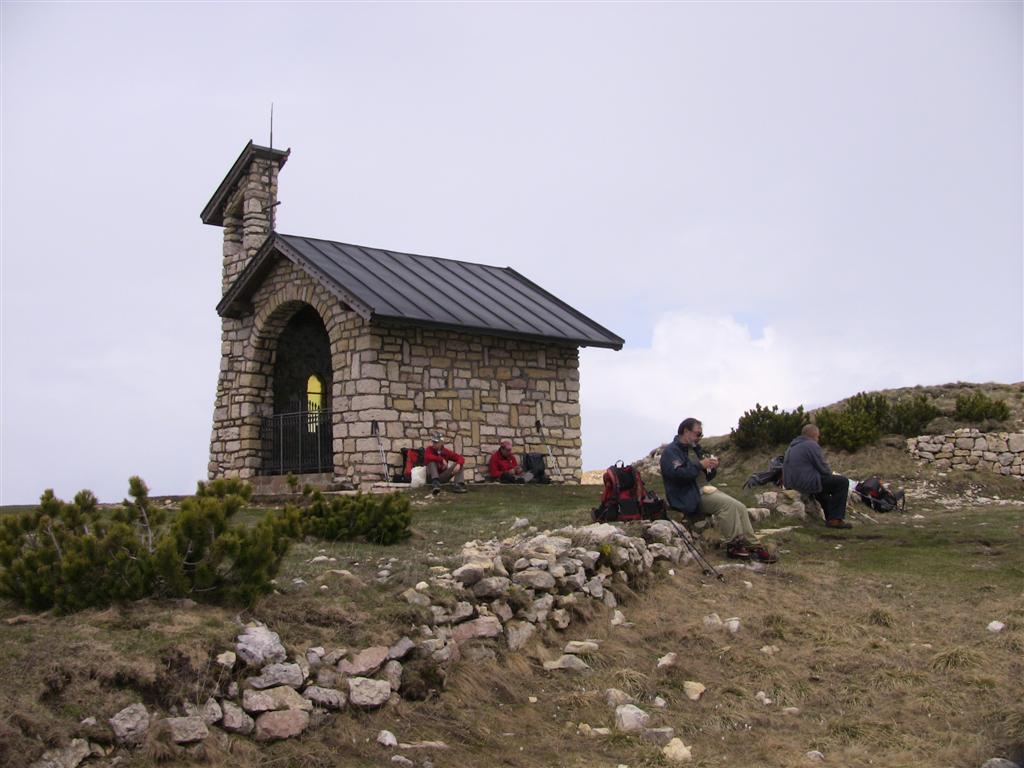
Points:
(213, 212)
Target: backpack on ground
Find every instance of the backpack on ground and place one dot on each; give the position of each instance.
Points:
(534, 464)
(625, 498)
(880, 498)
(771, 475)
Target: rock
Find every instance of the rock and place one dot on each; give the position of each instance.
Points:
(769, 650)
(387, 739)
(226, 659)
(393, 674)
(791, 710)
(677, 752)
(186, 730)
(693, 690)
(567, 662)
(368, 694)
(534, 578)
(210, 712)
(412, 597)
(660, 531)
(278, 674)
(518, 634)
(630, 718)
(618, 619)
(520, 522)
(492, 587)
(762, 697)
(282, 697)
(616, 698)
(659, 702)
(660, 736)
(365, 662)
(325, 698)
(405, 762)
(668, 660)
(995, 626)
(561, 618)
(814, 755)
(733, 625)
(258, 646)
(272, 726)
(485, 626)
(421, 586)
(595, 587)
(712, 621)
(130, 724)
(65, 757)
(581, 646)
(235, 720)
(320, 559)
(999, 762)
(401, 649)
(468, 574)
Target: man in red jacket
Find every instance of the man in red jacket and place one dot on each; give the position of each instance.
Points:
(504, 467)
(443, 465)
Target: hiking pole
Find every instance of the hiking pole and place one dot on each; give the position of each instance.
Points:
(708, 568)
(558, 469)
(375, 431)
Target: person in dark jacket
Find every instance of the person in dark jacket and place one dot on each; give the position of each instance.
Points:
(804, 469)
(443, 465)
(683, 462)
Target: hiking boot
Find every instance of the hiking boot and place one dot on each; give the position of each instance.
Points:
(520, 480)
(764, 555)
(737, 548)
(459, 488)
(837, 523)
(436, 489)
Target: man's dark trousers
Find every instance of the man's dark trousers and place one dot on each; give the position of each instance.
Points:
(834, 490)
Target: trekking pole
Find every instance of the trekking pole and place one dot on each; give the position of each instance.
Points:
(540, 432)
(708, 568)
(375, 431)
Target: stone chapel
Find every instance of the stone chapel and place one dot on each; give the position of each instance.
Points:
(336, 356)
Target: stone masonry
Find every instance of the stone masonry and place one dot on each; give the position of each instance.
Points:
(413, 381)
(969, 449)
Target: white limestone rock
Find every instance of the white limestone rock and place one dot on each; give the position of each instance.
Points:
(630, 718)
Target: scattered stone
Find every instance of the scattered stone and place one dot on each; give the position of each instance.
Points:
(365, 662)
(581, 646)
(616, 698)
(677, 752)
(401, 649)
(278, 674)
(660, 736)
(413, 597)
(65, 757)
(762, 697)
(618, 618)
(693, 690)
(226, 659)
(520, 522)
(995, 626)
(733, 625)
(535, 578)
(712, 621)
(281, 697)
(468, 574)
(402, 760)
(630, 718)
(272, 726)
(769, 650)
(659, 702)
(235, 720)
(368, 694)
(421, 586)
(393, 674)
(567, 662)
(320, 559)
(999, 762)
(492, 587)
(518, 634)
(325, 698)
(814, 755)
(791, 710)
(186, 730)
(668, 660)
(485, 626)
(258, 646)
(130, 724)
(387, 739)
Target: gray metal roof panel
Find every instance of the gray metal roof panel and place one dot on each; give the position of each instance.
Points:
(439, 292)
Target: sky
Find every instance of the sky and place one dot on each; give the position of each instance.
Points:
(775, 203)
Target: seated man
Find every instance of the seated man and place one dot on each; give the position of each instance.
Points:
(443, 465)
(804, 469)
(504, 467)
(682, 463)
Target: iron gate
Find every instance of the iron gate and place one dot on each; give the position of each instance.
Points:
(298, 442)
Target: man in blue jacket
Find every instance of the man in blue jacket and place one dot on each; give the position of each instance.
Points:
(804, 469)
(682, 463)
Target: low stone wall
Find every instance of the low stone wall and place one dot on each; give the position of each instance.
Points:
(970, 449)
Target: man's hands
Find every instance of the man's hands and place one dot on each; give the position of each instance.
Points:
(709, 463)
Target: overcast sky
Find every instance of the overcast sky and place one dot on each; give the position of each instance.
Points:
(777, 203)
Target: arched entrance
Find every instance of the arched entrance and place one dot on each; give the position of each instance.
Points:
(296, 438)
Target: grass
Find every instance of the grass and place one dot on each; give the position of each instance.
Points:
(881, 636)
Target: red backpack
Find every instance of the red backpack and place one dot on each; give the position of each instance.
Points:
(625, 497)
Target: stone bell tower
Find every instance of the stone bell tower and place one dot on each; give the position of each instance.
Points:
(244, 206)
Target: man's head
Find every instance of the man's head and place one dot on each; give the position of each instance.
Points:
(505, 446)
(811, 432)
(690, 431)
(437, 439)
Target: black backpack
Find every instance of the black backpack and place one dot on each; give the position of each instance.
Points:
(771, 475)
(873, 493)
(625, 498)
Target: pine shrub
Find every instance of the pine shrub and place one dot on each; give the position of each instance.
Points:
(765, 427)
(910, 416)
(378, 519)
(978, 407)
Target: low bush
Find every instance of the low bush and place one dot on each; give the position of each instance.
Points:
(71, 556)
(977, 407)
(765, 427)
(848, 430)
(910, 416)
(866, 417)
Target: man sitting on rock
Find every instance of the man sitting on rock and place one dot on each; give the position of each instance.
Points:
(682, 463)
(443, 465)
(804, 469)
(504, 467)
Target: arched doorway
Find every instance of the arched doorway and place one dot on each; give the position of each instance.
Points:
(297, 437)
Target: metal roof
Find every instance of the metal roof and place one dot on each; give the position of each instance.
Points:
(423, 290)
(213, 211)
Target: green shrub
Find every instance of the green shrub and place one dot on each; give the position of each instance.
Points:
(379, 519)
(767, 427)
(977, 407)
(910, 416)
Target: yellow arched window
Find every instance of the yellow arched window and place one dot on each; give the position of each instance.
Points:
(314, 400)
